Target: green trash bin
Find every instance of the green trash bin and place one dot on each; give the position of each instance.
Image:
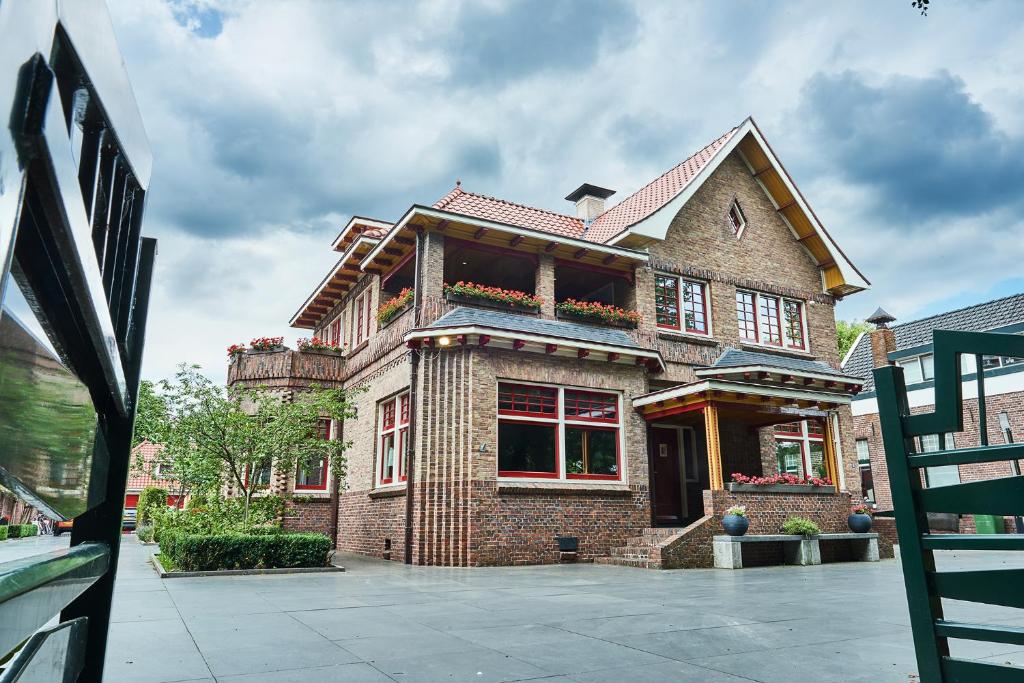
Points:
(988, 524)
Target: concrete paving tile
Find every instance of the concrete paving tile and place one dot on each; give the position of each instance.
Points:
(274, 655)
(524, 634)
(349, 673)
(359, 622)
(480, 664)
(676, 672)
(578, 656)
(648, 623)
(153, 652)
(375, 647)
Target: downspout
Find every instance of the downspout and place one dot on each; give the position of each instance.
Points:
(414, 359)
(336, 492)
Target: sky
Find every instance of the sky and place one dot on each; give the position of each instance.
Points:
(273, 122)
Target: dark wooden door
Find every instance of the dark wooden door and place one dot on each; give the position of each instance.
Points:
(666, 476)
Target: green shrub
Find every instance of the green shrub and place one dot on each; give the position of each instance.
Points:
(198, 552)
(145, 533)
(151, 499)
(800, 526)
(211, 515)
(3, 532)
(21, 530)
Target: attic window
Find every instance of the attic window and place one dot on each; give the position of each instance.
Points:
(736, 220)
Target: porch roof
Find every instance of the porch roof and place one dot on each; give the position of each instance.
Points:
(794, 400)
(527, 332)
(777, 370)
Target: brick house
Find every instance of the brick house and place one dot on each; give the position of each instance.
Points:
(910, 346)
(488, 429)
(147, 470)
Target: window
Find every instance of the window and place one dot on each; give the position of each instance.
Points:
(393, 439)
(673, 295)
(918, 368)
(537, 424)
(867, 482)
(771, 320)
(800, 448)
(946, 474)
(332, 333)
(262, 475)
(311, 473)
(361, 316)
(736, 219)
(163, 470)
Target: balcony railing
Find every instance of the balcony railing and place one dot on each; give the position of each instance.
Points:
(286, 367)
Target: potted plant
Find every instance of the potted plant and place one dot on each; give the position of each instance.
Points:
(860, 519)
(735, 521)
(319, 345)
(267, 344)
(800, 526)
(495, 297)
(594, 311)
(235, 350)
(392, 308)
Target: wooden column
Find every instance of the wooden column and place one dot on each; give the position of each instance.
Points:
(831, 465)
(714, 448)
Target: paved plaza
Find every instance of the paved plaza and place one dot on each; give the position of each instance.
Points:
(382, 621)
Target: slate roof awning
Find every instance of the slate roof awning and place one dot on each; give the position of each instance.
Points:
(465, 325)
(769, 368)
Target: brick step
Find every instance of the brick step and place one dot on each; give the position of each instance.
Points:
(626, 562)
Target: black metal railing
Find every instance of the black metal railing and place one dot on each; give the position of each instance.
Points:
(927, 586)
(75, 276)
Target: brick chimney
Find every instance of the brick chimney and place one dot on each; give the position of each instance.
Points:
(589, 201)
(883, 340)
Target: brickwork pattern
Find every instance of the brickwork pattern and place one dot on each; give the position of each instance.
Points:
(308, 516)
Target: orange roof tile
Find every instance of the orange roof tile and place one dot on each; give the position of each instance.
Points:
(653, 195)
(629, 211)
(137, 481)
(501, 211)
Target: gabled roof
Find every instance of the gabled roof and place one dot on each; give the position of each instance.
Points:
(502, 211)
(990, 315)
(654, 194)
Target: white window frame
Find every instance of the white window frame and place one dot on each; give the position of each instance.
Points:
(737, 232)
(950, 445)
(783, 328)
(918, 362)
(361, 308)
(681, 329)
(866, 464)
(805, 440)
(400, 431)
(560, 421)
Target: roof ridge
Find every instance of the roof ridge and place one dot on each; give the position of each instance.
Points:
(646, 185)
(958, 310)
(518, 205)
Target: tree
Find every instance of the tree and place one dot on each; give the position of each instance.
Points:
(150, 415)
(847, 332)
(239, 433)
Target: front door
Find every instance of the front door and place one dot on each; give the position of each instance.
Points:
(667, 476)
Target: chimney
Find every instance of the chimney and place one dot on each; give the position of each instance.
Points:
(589, 201)
(883, 340)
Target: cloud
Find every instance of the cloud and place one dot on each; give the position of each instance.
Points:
(924, 144)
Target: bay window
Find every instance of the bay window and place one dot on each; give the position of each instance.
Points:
(311, 472)
(771, 320)
(538, 424)
(800, 448)
(393, 440)
(681, 304)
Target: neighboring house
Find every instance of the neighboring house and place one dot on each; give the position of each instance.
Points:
(146, 470)
(910, 346)
(487, 429)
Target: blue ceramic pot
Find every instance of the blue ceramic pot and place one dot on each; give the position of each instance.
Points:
(735, 525)
(859, 523)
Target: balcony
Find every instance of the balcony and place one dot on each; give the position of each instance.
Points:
(286, 368)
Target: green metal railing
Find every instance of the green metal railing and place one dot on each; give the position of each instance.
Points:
(926, 586)
(75, 277)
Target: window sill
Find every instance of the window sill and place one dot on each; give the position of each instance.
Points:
(584, 488)
(391, 491)
(359, 347)
(687, 337)
(312, 493)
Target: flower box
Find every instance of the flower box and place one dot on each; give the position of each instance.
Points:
(778, 488)
(394, 316)
(594, 320)
(394, 307)
(490, 303)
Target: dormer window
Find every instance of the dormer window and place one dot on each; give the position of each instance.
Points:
(736, 220)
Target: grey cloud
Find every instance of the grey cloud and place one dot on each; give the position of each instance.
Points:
(923, 144)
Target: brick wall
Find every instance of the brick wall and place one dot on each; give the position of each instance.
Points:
(308, 516)
(767, 511)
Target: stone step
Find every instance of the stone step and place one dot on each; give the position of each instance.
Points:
(626, 562)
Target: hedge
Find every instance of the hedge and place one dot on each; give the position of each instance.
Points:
(3, 532)
(151, 497)
(195, 552)
(21, 530)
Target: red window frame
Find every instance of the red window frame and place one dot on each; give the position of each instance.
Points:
(799, 321)
(697, 291)
(675, 286)
(394, 424)
(747, 314)
(553, 424)
(359, 320)
(618, 453)
(780, 430)
(323, 431)
(772, 322)
(584, 398)
(522, 390)
(334, 332)
(804, 437)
